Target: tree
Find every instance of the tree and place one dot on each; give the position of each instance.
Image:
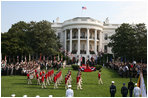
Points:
(30, 38)
(126, 41)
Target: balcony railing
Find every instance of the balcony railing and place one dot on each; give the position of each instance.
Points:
(91, 52)
(82, 51)
(83, 37)
(91, 37)
(74, 51)
(75, 37)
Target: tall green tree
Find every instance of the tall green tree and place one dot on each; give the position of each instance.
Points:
(33, 38)
(129, 42)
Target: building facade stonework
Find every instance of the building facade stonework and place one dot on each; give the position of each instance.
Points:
(84, 36)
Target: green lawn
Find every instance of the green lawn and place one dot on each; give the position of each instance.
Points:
(18, 85)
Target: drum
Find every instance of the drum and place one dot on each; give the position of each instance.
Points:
(31, 76)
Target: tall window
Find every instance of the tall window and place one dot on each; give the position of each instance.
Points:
(74, 46)
(83, 46)
(105, 48)
(90, 46)
(83, 34)
(97, 36)
(59, 35)
(105, 36)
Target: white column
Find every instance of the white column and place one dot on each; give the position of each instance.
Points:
(78, 51)
(65, 38)
(70, 41)
(100, 41)
(87, 41)
(95, 43)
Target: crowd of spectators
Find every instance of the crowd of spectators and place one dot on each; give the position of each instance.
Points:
(128, 69)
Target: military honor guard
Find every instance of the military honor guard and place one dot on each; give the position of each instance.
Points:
(99, 78)
(43, 81)
(124, 90)
(79, 81)
(68, 79)
(57, 78)
(112, 89)
(55, 81)
(46, 77)
(28, 78)
(38, 80)
(66, 83)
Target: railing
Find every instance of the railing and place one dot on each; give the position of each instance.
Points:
(91, 52)
(83, 37)
(91, 37)
(82, 51)
(74, 51)
(75, 37)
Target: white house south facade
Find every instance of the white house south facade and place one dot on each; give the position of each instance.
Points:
(84, 36)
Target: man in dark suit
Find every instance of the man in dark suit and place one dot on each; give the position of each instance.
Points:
(124, 90)
(131, 87)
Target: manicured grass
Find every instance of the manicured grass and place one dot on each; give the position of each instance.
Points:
(18, 85)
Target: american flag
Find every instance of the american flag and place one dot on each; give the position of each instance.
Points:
(84, 8)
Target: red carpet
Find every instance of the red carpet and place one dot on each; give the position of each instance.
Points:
(87, 69)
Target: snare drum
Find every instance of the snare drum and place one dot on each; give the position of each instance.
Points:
(31, 76)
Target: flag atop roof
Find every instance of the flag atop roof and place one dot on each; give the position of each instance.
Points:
(84, 8)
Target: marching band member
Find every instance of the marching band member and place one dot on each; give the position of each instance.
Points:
(79, 81)
(46, 77)
(38, 80)
(28, 77)
(99, 78)
(55, 81)
(40, 73)
(49, 76)
(43, 82)
(66, 84)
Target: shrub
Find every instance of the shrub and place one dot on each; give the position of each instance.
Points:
(75, 67)
(98, 67)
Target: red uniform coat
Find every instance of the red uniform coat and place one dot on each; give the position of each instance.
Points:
(65, 80)
(46, 76)
(42, 78)
(99, 76)
(78, 77)
(54, 79)
(40, 73)
(35, 71)
(37, 76)
(28, 76)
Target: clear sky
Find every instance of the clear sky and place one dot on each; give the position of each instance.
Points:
(117, 11)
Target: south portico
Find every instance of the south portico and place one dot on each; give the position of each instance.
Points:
(83, 42)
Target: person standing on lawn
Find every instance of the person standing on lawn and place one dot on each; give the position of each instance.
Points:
(69, 92)
(131, 87)
(99, 78)
(43, 82)
(124, 90)
(137, 91)
(112, 89)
